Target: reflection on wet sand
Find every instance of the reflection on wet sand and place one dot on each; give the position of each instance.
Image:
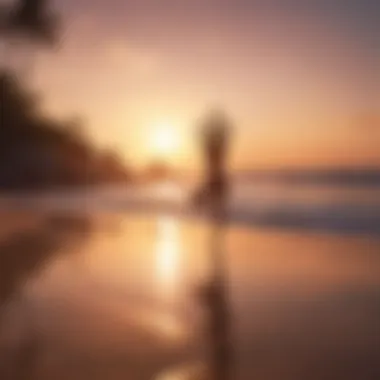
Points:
(111, 307)
(23, 253)
(168, 254)
(22, 256)
(60, 322)
(214, 299)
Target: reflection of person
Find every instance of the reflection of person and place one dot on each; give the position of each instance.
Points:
(214, 300)
(214, 141)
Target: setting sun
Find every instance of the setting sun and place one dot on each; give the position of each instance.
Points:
(164, 140)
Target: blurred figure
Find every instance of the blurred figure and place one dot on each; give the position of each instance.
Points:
(214, 142)
(213, 294)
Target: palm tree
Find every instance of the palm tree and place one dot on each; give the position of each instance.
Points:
(29, 24)
(33, 20)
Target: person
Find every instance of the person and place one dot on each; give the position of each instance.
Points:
(215, 135)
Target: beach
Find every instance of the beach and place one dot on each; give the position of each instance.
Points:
(105, 295)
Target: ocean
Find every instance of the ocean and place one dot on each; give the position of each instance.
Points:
(328, 207)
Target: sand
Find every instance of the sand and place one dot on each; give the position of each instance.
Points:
(117, 296)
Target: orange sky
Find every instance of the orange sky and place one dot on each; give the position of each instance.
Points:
(302, 89)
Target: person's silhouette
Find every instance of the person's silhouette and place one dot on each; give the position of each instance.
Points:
(214, 142)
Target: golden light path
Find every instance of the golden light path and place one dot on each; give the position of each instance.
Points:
(168, 255)
(161, 321)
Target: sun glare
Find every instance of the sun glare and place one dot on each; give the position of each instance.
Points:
(164, 140)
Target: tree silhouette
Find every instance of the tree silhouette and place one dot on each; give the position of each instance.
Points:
(28, 24)
(35, 150)
(33, 20)
(38, 151)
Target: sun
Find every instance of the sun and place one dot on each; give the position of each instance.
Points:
(164, 139)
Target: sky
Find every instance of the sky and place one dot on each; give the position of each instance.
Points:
(299, 79)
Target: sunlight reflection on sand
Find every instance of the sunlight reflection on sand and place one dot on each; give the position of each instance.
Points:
(126, 291)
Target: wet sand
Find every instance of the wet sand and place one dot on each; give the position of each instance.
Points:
(117, 297)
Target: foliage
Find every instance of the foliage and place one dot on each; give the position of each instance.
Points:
(37, 151)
